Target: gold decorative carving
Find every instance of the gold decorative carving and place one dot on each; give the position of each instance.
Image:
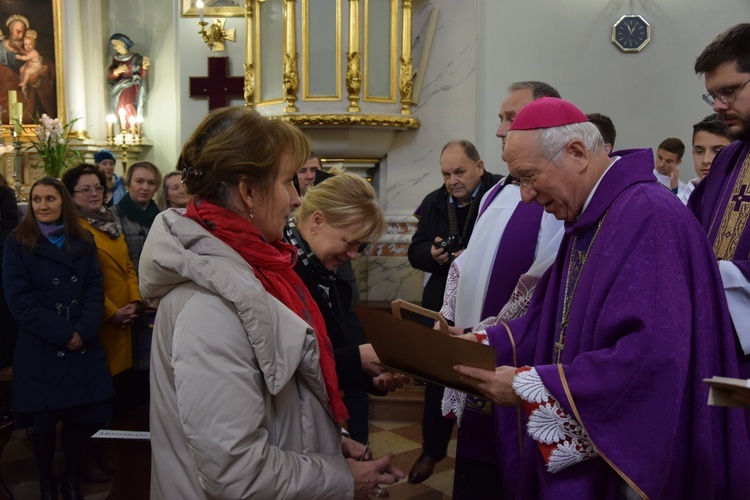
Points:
(368, 120)
(353, 80)
(249, 88)
(290, 82)
(406, 83)
(406, 86)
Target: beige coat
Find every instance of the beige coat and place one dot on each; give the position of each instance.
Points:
(238, 404)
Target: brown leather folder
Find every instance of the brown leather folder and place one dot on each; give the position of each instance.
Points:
(413, 349)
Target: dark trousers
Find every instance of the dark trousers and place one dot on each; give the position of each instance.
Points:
(473, 479)
(357, 403)
(436, 429)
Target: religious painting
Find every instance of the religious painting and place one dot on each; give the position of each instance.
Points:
(31, 59)
(214, 8)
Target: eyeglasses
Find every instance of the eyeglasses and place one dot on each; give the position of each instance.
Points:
(87, 191)
(528, 181)
(727, 95)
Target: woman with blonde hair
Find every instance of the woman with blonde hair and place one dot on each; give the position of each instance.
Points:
(336, 221)
(244, 397)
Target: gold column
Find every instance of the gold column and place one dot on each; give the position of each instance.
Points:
(353, 73)
(406, 85)
(291, 75)
(249, 89)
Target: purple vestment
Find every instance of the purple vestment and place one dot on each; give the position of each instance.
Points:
(647, 323)
(711, 198)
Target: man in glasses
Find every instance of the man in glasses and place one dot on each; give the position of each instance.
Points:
(722, 201)
(608, 362)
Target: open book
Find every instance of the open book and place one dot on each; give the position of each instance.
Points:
(722, 389)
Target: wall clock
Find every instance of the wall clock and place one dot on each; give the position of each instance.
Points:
(631, 33)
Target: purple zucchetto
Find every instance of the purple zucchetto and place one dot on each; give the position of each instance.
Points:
(547, 112)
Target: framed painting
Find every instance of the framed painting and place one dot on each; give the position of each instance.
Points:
(31, 60)
(214, 8)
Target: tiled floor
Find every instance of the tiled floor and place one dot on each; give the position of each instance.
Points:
(404, 439)
(400, 438)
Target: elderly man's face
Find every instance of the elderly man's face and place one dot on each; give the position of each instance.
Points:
(554, 186)
(513, 103)
(460, 173)
(17, 31)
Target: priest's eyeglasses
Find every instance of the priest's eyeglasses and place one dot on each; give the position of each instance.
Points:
(727, 95)
(528, 181)
(87, 191)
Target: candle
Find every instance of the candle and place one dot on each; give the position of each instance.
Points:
(18, 117)
(121, 112)
(12, 98)
(199, 4)
(132, 125)
(139, 125)
(111, 119)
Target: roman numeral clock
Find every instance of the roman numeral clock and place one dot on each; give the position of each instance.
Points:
(631, 33)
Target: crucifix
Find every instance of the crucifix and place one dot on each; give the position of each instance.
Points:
(218, 86)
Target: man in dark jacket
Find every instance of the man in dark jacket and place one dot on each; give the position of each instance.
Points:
(446, 220)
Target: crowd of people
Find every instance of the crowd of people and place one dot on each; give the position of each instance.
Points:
(230, 308)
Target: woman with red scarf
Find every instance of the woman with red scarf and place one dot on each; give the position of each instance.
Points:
(244, 397)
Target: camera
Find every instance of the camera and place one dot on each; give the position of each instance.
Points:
(451, 245)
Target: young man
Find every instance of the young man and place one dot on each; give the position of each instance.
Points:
(709, 138)
(668, 158)
(722, 201)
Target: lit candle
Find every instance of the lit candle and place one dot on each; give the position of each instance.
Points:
(121, 112)
(19, 117)
(111, 119)
(12, 98)
(199, 4)
(139, 125)
(132, 125)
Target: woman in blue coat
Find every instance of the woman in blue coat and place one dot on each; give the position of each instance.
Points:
(53, 284)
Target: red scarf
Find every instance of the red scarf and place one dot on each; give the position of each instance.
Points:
(273, 264)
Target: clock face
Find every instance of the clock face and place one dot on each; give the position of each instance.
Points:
(631, 33)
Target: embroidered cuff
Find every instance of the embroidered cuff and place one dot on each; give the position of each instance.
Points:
(561, 439)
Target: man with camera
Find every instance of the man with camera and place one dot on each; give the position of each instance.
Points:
(446, 221)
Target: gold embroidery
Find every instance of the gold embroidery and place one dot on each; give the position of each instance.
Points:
(735, 217)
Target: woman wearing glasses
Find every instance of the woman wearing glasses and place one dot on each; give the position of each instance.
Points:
(85, 183)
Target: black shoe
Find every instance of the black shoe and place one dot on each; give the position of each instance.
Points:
(422, 469)
(48, 489)
(69, 488)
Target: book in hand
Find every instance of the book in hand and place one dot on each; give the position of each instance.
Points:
(722, 389)
(413, 349)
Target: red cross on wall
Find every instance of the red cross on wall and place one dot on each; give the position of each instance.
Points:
(218, 86)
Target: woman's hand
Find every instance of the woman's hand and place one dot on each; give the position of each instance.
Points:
(125, 315)
(354, 449)
(368, 474)
(390, 381)
(370, 360)
(75, 342)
